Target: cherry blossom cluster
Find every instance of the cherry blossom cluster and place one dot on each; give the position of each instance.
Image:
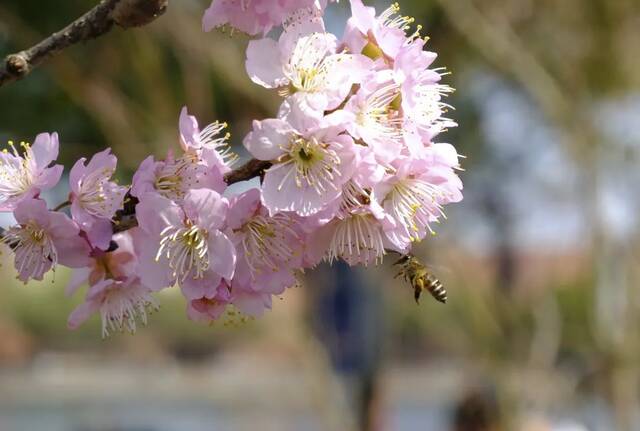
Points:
(354, 170)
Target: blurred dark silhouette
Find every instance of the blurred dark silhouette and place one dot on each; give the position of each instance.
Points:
(347, 315)
(477, 410)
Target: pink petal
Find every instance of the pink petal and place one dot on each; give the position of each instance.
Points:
(154, 275)
(196, 288)
(32, 209)
(155, 212)
(267, 138)
(145, 177)
(82, 313)
(73, 252)
(242, 208)
(45, 149)
(78, 278)
(189, 131)
(206, 208)
(222, 254)
(75, 175)
(100, 234)
(264, 64)
(50, 177)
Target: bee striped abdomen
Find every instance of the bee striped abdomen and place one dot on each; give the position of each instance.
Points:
(436, 289)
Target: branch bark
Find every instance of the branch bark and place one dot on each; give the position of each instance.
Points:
(98, 21)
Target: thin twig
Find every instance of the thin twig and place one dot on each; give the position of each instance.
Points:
(95, 23)
(253, 168)
(62, 205)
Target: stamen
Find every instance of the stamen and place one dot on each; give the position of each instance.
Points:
(357, 239)
(34, 250)
(187, 250)
(266, 242)
(415, 204)
(16, 171)
(313, 164)
(378, 114)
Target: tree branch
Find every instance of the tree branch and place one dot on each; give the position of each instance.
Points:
(251, 169)
(95, 23)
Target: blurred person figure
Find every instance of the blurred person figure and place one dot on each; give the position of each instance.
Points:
(347, 316)
(477, 410)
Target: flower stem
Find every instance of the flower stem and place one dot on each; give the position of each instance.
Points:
(62, 205)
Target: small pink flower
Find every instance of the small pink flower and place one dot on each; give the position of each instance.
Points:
(115, 290)
(94, 197)
(357, 238)
(25, 176)
(308, 168)
(415, 195)
(207, 141)
(185, 244)
(119, 264)
(253, 17)
(422, 94)
(377, 36)
(307, 66)
(269, 249)
(173, 178)
(42, 239)
(374, 116)
(209, 309)
(120, 304)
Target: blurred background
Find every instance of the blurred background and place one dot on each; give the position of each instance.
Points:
(540, 260)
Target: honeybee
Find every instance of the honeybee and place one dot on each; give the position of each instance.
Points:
(420, 278)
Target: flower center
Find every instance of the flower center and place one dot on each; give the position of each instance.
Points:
(95, 194)
(187, 250)
(313, 164)
(379, 113)
(415, 204)
(33, 247)
(16, 171)
(176, 177)
(391, 18)
(309, 67)
(266, 242)
(122, 304)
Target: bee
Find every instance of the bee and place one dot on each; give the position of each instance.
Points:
(420, 278)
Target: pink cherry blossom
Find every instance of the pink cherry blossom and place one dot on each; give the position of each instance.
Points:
(207, 141)
(254, 16)
(42, 239)
(115, 290)
(266, 243)
(173, 178)
(357, 238)
(185, 244)
(375, 116)
(308, 168)
(309, 67)
(415, 195)
(209, 309)
(23, 176)
(120, 304)
(421, 91)
(379, 36)
(94, 197)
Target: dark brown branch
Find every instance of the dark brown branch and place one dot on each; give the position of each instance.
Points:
(95, 23)
(251, 169)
